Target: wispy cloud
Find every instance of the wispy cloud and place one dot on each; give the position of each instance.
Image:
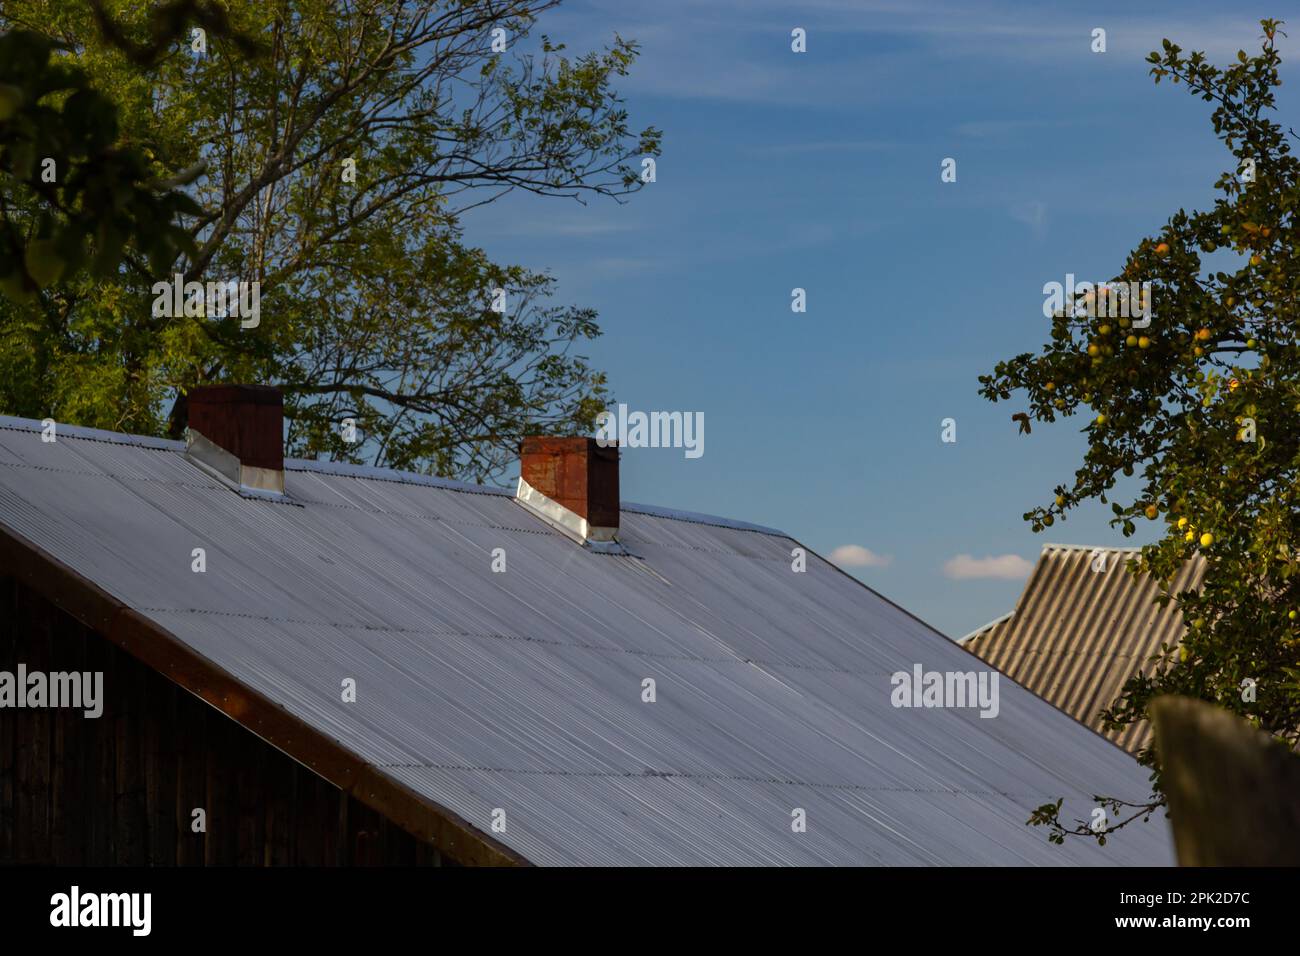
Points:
(623, 267)
(1033, 214)
(856, 556)
(825, 146)
(557, 227)
(577, 228)
(1003, 567)
(1010, 129)
(739, 50)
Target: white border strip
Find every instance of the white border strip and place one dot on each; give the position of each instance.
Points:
(555, 514)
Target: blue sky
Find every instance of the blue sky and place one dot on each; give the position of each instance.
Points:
(821, 170)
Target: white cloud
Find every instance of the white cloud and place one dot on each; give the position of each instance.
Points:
(856, 556)
(1005, 567)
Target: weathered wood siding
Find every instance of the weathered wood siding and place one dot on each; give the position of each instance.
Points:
(120, 789)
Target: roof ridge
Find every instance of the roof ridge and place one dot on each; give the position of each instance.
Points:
(14, 423)
(374, 473)
(986, 627)
(1128, 549)
(695, 517)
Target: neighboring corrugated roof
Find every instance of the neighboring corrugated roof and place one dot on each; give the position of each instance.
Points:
(522, 690)
(1077, 634)
(985, 629)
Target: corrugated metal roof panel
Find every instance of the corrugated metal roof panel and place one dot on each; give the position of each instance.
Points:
(522, 690)
(1078, 634)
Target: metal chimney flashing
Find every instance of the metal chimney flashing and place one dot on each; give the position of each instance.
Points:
(220, 463)
(567, 522)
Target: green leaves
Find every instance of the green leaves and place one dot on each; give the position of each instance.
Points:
(1200, 422)
(227, 166)
(11, 100)
(66, 180)
(43, 262)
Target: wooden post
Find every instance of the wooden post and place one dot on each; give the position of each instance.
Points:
(1234, 792)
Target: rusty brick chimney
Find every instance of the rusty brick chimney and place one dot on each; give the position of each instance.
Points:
(237, 431)
(572, 483)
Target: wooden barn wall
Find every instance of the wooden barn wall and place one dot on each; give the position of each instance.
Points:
(120, 789)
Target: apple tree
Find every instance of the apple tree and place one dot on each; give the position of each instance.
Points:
(1191, 422)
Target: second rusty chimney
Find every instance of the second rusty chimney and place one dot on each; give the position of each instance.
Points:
(237, 431)
(573, 484)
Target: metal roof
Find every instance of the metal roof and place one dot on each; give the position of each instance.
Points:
(985, 628)
(523, 690)
(1077, 634)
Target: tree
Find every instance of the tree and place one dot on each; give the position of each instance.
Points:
(339, 164)
(1192, 420)
(70, 184)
